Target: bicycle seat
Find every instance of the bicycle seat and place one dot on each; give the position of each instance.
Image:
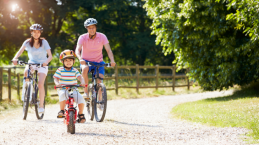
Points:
(92, 70)
(71, 94)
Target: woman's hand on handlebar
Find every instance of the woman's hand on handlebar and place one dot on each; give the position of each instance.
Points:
(45, 64)
(15, 61)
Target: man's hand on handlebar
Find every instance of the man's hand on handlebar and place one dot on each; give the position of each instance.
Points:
(82, 62)
(113, 64)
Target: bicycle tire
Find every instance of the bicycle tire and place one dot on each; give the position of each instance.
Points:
(26, 100)
(100, 113)
(38, 115)
(71, 125)
(90, 103)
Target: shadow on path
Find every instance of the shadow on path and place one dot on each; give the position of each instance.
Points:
(132, 124)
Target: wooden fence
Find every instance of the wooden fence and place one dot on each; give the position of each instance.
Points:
(11, 72)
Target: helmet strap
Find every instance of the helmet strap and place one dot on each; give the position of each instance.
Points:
(66, 66)
(91, 37)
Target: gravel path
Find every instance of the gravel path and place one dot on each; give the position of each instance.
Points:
(134, 121)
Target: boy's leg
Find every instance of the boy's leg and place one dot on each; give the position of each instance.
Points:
(81, 108)
(81, 104)
(62, 105)
(62, 101)
(79, 100)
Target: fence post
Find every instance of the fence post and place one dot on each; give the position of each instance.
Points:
(116, 80)
(18, 85)
(157, 72)
(137, 79)
(9, 84)
(14, 70)
(1, 83)
(188, 79)
(174, 69)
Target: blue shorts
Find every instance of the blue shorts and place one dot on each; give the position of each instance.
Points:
(101, 69)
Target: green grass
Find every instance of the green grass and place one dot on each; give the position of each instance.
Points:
(238, 110)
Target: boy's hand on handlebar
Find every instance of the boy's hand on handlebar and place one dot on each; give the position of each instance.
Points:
(113, 64)
(58, 85)
(82, 84)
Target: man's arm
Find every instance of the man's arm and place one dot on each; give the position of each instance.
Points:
(110, 54)
(78, 53)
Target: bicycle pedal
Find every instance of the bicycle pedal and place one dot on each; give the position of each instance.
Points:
(61, 116)
(87, 99)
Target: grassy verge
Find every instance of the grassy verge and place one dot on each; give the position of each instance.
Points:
(238, 110)
(15, 103)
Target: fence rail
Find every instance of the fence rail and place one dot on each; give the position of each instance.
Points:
(16, 76)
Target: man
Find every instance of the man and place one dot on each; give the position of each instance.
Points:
(89, 49)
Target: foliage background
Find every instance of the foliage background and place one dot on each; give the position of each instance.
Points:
(210, 37)
(124, 22)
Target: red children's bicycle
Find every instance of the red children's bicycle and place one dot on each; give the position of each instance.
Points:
(71, 111)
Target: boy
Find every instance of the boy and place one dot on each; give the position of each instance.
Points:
(67, 75)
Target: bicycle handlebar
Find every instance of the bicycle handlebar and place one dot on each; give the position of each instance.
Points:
(70, 86)
(99, 65)
(37, 64)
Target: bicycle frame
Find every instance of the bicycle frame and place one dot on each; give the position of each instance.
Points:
(70, 107)
(94, 78)
(70, 103)
(30, 80)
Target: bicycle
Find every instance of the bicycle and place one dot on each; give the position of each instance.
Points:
(71, 111)
(31, 90)
(96, 106)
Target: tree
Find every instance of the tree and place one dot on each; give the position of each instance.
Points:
(127, 27)
(219, 55)
(14, 26)
(123, 21)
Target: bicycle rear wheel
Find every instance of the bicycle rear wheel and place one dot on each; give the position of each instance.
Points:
(71, 126)
(38, 115)
(26, 100)
(100, 103)
(90, 103)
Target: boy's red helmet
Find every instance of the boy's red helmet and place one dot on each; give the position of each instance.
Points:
(67, 54)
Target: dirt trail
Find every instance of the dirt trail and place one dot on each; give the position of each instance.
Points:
(133, 121)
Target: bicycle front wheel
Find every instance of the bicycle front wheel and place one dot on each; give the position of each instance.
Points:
(71, 125)
(26, 100)
(100, 103)
(90, 103)
(38, 115)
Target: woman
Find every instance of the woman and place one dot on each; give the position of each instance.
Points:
(37, 49)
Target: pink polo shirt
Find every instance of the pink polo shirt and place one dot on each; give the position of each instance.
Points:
(92, 49)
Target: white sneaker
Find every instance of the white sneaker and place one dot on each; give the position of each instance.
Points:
(100, 106)
(41, 110)
(86, 96)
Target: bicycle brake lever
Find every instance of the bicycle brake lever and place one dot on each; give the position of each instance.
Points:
(89, 64)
